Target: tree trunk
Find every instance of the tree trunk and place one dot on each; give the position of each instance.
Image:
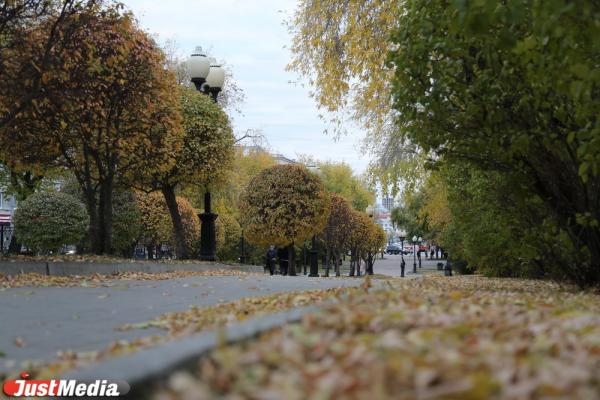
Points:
(371, 261)
(105, 208)
(291, 260)
(338, 261)
(352, 263)
(171, 200)
(94, 229)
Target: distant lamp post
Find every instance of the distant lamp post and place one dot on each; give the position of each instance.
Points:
(208, 77)
(414, 241)
(314, 258)
(401, 237)
(243, 249)
(419, 250)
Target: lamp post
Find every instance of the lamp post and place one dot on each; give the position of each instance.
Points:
(414, 240)
(419, 250)
(208, 78)
(402, 236)
(314, 258)
(243, 249)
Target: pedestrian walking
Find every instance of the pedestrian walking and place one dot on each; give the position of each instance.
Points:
(271, 259)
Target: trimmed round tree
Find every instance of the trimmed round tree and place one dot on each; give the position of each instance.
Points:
(203, 159)
(337, 230)
(376, 239)
(284, 205)
(156, 223)
(357, 239)
(46, 221)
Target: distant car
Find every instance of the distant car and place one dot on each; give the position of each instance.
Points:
(393, 249)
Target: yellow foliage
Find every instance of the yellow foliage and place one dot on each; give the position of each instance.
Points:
(284, 204)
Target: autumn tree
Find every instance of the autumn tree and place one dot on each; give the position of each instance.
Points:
(507, 92)
(340, 47)
(202, 161)
(157, 227)
(358, 235)
(117, 114)
(336, 232)
(154, 226)
(284, 205)
(338, 177)
(34, 36)
(375, 241)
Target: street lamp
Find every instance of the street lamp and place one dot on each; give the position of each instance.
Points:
(419, 249)
(208, 77)
(243, 249)
(414, 240)
(314, 258)
(402, 236)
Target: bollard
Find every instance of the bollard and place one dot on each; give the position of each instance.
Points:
(448, 269)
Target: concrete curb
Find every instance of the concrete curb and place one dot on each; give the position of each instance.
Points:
(145, 367)
(87, 268)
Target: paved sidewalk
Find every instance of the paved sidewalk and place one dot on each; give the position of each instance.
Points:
(390, 265)
(38, 322)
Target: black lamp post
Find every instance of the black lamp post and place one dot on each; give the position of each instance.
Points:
(243, 249)
(419, 250)
(402, 236)
(314, 258)
(208, 77)
(414, 240)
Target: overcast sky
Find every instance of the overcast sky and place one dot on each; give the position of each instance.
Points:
(250, 36)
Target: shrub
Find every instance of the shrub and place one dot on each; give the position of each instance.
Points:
(46, 221)
(228, 249)
(157, 227)
(127, 224)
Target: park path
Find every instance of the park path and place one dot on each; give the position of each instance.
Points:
(36, 323)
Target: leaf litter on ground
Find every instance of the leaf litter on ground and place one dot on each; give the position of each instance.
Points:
(112, 280)
(466, 337)
(178, 324)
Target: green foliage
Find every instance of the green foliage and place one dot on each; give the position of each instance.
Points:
(46, 221)
(409, 216)
(284, 204)
(154, 218)
(338, 177)
(156, 222)
(228, 249)
(127, 222)
(506, 93)
(116, 111)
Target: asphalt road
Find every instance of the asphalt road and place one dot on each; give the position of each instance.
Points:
(36, 323)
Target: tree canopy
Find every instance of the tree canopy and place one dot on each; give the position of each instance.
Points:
(110, 118)
(284, 205)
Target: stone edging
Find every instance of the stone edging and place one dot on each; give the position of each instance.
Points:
(148, 366)
(87, 268)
